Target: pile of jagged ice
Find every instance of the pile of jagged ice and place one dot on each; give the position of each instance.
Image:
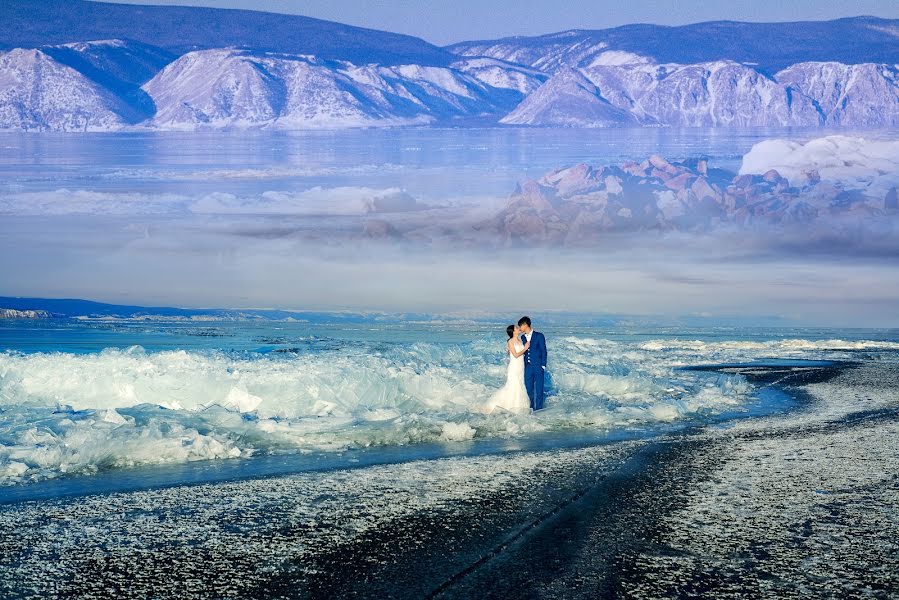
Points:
(854, 162)
(70, 413)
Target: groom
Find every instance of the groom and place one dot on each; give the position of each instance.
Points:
(534, 362)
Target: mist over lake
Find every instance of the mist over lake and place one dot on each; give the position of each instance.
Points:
(392, 219)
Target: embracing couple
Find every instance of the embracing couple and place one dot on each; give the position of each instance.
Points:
(523, 391)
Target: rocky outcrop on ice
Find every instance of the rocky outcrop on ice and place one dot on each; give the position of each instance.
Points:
(581, 204)
(40, 93)
(226, 88)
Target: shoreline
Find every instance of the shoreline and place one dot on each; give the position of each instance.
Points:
(599, 519)
(211, 471)
(710, 514)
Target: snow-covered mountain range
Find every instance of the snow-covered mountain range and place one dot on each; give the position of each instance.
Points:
(769, 46)
(229, 87)
(615, 78)
(633, 90)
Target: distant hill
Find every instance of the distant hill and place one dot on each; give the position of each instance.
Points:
(180, 29)
(770, 46)
(75, 65)
(74, 308)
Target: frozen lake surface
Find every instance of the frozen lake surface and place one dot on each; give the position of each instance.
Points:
(87, 397)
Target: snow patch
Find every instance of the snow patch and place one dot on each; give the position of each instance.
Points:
(853, 161)
(618, 58)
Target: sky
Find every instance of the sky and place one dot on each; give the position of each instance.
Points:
(444, 22)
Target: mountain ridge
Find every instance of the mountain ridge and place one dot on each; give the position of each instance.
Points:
(340, 76)
(772, 46)
(181, 29)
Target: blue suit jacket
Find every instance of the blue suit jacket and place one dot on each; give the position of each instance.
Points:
(536, 354)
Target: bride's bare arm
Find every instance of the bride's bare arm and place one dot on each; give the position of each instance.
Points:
(511, 346)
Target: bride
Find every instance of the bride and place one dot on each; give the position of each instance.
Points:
(512, 397)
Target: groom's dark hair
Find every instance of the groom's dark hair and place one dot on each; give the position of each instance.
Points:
(524, 321)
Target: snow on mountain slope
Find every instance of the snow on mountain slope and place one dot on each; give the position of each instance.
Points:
(119, 66)
(568, 99)
(557, 52)
(717, 94)
(444, 93)
(182, 29)
(320, 96)
(124, 61)
(771, 46)
(237, 88)
(96, 89)
(502, 74)
(215, 86)
(39, 93)
(865, 95)
(615, 93)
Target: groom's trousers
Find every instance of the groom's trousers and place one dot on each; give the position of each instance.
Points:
(533, 381)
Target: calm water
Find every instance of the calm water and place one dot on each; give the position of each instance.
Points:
(428, 162)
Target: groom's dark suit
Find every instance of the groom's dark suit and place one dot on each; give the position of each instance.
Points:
(535, 368)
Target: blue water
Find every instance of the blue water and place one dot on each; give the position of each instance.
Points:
(85, 336)
(113, 405)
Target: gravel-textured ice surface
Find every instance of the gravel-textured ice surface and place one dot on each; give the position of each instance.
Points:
(311, 534)
(806, 511)
(804, 505)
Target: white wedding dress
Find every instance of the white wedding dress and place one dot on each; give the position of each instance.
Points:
(512, 397)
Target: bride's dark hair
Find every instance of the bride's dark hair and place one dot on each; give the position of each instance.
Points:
(510, 330)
